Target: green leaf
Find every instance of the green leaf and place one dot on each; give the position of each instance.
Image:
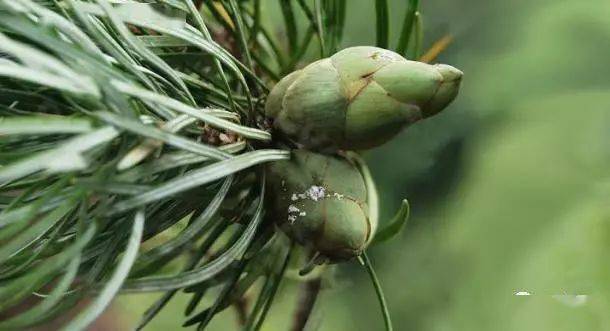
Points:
(418, 39)
(200, 177)
(148, 131)
(364, 260)
(33, 232)
(35, 59)
(383, 23)
(39, 125)
(205, 272)
(18, 214)
(49, 69)
(173, 160)
(112, 287)
(217, 63)
(241, 34)
(33, 315)
(190, 233)
(201, 114)
(43, 272)
(263, 297)
(260, 263)
(54, 19)
(146, 12)
(203, 249)
(320, 26)
(138, 48)
(316, 22)
(290, 23)
(43, 78)
(200, 289)
(277, 279)
(109, 186)
(66, 157)
(118, 56)
(407, 27)
(140, 152)
(153, 310)
(395, 225)
(205, 318)
(189, 34)
(162, 41)
(334, 18)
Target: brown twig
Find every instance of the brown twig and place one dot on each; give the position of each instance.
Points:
(437, 48)
(307, 299)
(241, 307)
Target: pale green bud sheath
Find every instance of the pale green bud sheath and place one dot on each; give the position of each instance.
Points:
(359, 98)
(320, 201)
(447, 91)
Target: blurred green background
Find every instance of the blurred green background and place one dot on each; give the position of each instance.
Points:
(510, 187)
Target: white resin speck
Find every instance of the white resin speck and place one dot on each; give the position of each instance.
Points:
(316, 193)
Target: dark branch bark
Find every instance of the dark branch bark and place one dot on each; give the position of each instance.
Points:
(307, 299)
(241, 307)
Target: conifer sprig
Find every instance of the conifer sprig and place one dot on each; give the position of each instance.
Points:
(131, 139)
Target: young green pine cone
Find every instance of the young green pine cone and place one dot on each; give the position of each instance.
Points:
(358, 98)
(319, 201)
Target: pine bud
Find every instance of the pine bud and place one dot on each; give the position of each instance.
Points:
(320, 201)
(359, 98)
